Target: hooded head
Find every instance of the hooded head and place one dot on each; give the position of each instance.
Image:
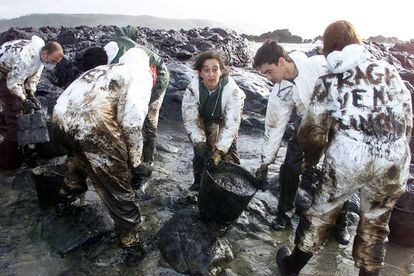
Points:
(135, 57)
(342, 47)
(338, 35)
(111, 50)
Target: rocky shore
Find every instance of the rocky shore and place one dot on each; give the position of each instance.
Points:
(38, 241)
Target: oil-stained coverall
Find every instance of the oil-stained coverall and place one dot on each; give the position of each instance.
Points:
(125, 39)
(284, 98)
(360, 118)
(102, 114)
(214, 119)
(20, 70)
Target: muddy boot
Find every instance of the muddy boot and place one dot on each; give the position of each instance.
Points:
(196, 183)
(134, 254)
(341, 233)
(279, 223)
(67, 204)
(199, 160)
(290, 264)
(363, 272)
(342, 236)
(288, 181)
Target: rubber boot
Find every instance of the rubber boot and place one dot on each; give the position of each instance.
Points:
(196, 183)
(341, 233)
(290, 264)
(363, 272)
(289, 183)
(134, 254)
(279, 223)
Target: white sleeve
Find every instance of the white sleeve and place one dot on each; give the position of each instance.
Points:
(132, 110)
(191, 117)
(32, 82)
(277, 117)
(232, 118)
(16, 78)
(407, 106)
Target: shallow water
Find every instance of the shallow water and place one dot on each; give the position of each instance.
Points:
(23, 250)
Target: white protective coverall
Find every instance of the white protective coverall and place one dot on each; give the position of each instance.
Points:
(284, 98)
(221, 135)
(20, 70)
(102, 114)
(360, 119)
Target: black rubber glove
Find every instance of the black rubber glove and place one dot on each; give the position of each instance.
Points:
(200, 149)
(261, 177)
(143, 170)
(36, 103)
(28, 106)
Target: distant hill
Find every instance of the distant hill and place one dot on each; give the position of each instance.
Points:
(72, 20)
(282, 36)
(386, 40)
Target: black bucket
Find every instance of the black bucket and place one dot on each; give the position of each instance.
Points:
(225, 191)
(55, 146)
(402, 219)
(32, 128)
(48, 180)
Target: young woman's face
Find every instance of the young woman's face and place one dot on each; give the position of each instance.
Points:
(210, 73)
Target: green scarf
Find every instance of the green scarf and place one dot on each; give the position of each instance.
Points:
(210, 103)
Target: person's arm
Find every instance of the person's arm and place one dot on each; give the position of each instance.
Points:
(32, 82)
(132, 110)
(163, 78)
(16, 79)
(277, 117)
(313, 130)
(193, 123)
(232, 117)
(406, 103)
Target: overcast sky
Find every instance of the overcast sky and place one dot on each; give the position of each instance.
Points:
(305, 18)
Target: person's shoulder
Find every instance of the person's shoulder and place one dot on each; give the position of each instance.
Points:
(317, 59)
(232, 84)
(317, 64)
(193, 85)
(297, 55)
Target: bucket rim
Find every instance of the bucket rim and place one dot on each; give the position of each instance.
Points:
(245, 174)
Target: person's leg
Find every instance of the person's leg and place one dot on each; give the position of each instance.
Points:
(341, 233)
(203, 152)
(107, 157)
(150, 128)
(10, 155)
(198, 165)
(316, 223)
(377, 201)
(232, 155)
(289, 177)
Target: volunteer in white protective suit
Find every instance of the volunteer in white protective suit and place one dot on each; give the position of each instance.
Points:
(294, 76)
(101, 114)
(211, 108)
(21, 65)
(124, 39)
(360, 119)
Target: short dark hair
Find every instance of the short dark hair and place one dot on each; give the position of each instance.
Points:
(52, 47)
(338, 35)
(93, 57)
(269, 52)
(201, 58)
